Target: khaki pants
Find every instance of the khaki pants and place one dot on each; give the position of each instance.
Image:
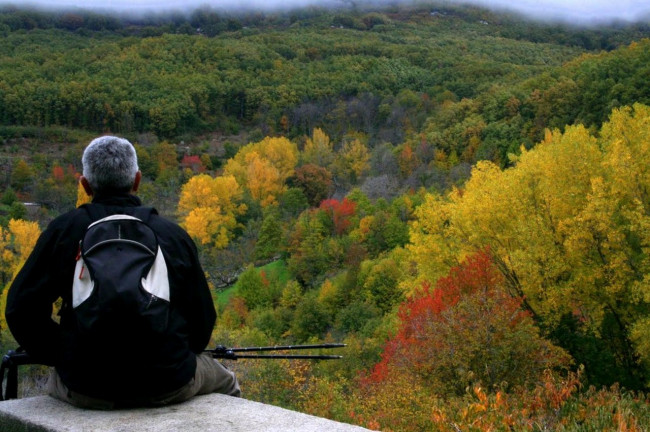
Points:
(210, 377)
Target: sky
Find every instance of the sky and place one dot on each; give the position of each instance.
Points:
(565, 10)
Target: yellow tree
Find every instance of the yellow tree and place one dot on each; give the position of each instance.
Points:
(209, 208)
(17, 242)
(264, 181)
(519, 213)
(82, 196)
(568, 226)
(318, 149)
(24, 235)
(282, 153)
(352, 161)
(264, 167)
(7, 257)
(626, 142)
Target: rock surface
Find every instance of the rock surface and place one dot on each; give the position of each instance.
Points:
(209, 413)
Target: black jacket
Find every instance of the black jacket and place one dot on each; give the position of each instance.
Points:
(123, 369)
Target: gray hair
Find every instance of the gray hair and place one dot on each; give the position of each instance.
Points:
(110, 164)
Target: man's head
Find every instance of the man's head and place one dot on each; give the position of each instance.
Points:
(110, 165)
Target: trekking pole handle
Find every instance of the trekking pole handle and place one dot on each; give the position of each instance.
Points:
(16, 358)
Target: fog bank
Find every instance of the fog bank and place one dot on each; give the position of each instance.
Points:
(572, 11)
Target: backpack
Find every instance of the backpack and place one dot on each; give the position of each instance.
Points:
(120, 281)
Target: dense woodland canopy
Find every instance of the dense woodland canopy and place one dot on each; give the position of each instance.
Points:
(460, 196)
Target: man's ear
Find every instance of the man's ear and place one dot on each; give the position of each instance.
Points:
(86, 185)
(136, 181)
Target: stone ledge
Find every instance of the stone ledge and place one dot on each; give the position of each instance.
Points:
(209, 413)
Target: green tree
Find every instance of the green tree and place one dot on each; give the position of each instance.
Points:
(310, 320)
(380, 283)
(315, 181)
(9, 196)
(22, 175)
(307, 248)
(251, 287)
(270, 236)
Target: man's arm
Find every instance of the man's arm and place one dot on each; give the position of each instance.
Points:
(30, 300)
(204, 320)
(190, 290)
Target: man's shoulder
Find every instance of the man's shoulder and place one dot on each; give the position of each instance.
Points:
(165, 227)
(77, 218)
(161, 221)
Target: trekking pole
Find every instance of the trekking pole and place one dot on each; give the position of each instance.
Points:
(10, 363)
(222, 352)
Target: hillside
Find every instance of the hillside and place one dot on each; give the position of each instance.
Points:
(260, 70)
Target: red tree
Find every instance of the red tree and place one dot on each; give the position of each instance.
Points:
(193, 162)
(467, 331)
(339, 212)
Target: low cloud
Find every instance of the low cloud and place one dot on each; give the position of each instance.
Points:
(572, 11)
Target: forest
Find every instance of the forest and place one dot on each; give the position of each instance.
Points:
(460, 196)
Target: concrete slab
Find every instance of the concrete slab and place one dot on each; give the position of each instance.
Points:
(209, 413)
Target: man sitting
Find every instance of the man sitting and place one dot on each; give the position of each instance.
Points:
(121, 368)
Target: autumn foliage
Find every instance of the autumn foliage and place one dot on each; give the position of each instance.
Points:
(467, 331)
(16, 243)
(209, 207)
(478, 285)
(339, 213)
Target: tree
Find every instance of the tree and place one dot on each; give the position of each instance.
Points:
(263, 168)
(163, 158)
(292, 202)
(383, 186)
(407, 160)
(318, 149)
(8, 197)
(310, 320)
(254, 289)
(263, 180)
(380, 283)
(17, 210)
(339, 213)
(315, 181)
(193, 163)
(468, 331)
(16, 244)
(210, 207)
(381, 231)
(308, 248)
(270, 237)
(21, 176)
(568, 231)
(352, 161)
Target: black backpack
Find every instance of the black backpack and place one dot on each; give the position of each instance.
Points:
(120, 281)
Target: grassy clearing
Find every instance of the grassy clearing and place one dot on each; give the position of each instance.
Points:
(276, 270)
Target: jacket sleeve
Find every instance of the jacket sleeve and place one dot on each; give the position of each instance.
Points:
(190, 291)
(203, 320)
(30, 302)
